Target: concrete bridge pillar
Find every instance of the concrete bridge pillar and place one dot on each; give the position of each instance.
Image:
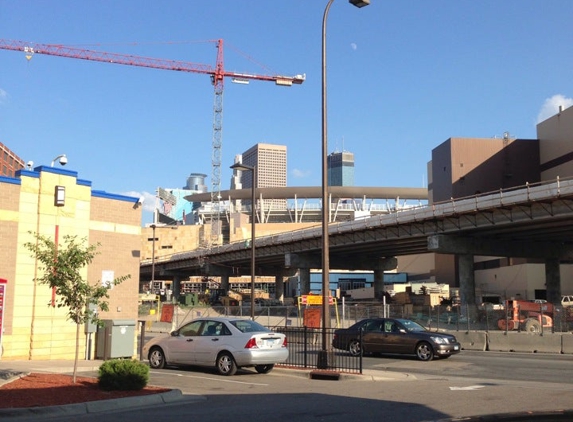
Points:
(304, 280)
(225, 282)
(176, 287)
(553, 281)
(467, 280)
(384, 264)
(279, 287)
(378, 283)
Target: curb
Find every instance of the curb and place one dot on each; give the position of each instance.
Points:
(555, 416)
(169, 397)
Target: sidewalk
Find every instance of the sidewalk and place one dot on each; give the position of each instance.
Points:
(10, 370)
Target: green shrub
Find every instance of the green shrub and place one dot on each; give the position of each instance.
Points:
(123, 374)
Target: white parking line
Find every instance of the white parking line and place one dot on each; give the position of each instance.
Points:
(229, 381)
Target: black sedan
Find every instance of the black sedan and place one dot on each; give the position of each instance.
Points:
(394, 336)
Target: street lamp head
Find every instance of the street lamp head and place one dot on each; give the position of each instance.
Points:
(359, 3)
(241, 166)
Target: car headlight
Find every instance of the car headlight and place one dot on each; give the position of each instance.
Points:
(439, 340)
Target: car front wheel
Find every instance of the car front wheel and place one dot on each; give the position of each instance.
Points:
(354, 347)
(264, 369)
(157, 358)
(424, 351)
(226, 364)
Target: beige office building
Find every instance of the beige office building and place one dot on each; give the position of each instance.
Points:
(271, 163)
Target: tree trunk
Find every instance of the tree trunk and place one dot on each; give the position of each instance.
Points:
(77, 351)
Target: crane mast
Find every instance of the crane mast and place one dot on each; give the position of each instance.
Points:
(217, 74)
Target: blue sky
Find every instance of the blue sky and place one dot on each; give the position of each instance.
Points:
(402, 78)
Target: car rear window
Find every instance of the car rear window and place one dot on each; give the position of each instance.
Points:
(248, 326)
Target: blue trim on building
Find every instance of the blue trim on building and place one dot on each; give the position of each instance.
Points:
(103, 194)
(11, 180)
(29, 173)
(57, 170)
(84, 182)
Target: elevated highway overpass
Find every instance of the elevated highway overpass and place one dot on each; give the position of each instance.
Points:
(532, 221)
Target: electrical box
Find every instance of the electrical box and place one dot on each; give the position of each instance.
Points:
(116, 339)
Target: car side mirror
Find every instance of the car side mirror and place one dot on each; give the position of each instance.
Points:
(402, 330)
(175, 333)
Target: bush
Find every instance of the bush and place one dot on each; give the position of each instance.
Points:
(123, 374)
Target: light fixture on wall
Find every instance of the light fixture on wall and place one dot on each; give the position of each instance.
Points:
(59, 196)
(63, 160)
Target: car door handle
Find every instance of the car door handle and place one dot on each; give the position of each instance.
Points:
(215, 339)
(189, 339)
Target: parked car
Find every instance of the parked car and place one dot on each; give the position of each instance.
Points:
(223, 343)
(567, 300)
(395, 336)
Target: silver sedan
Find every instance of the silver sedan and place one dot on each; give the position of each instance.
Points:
(223, 343)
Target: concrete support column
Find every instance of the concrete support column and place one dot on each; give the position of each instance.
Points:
(176, 286)
(304, 280)
(467, 280)
(225, 282)
(279, 288)
(553, 281)
(378, 283)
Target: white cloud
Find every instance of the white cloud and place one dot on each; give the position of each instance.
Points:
(353, 46)
(3, 96)
(551, 106)
(300, 174)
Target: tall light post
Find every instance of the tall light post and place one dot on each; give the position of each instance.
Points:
(153, 226)
(323, 355)
(253, 169)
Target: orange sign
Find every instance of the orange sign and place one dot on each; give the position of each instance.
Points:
(314, 300)
(167, 313)
(312, 317)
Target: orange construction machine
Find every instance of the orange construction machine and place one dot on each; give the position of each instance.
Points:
(526, 316)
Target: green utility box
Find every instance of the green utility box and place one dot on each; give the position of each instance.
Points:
(116, 339)
(189, 299)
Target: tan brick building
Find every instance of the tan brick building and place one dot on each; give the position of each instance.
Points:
(32, 328)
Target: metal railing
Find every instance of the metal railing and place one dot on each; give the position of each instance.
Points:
(304, 345)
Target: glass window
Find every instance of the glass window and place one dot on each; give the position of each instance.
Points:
(191, 329)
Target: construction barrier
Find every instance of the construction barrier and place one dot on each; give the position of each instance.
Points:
(523, 342)
(472, 340)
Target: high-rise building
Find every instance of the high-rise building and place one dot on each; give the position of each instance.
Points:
(9, 162)
(340, 169)
(271, 162)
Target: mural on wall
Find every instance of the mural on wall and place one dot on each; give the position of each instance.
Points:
(172, 207)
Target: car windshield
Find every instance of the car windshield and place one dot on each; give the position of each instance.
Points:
(248, 326)
(411, 325)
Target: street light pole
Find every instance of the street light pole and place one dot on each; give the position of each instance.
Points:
(323, 355)
(253, 169)
(153, 226)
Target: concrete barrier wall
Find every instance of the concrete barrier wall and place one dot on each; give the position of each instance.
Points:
(567, 344)
(524, 342)
(473, 340)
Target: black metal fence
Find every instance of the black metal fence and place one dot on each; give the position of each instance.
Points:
(306, 350)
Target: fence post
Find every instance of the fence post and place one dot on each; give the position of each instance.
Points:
(305, 345)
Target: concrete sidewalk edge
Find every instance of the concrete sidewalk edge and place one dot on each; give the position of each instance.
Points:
(169, 397)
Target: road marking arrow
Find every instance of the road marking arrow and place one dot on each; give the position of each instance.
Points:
(471, 387)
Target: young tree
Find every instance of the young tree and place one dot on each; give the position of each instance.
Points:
(61, 267)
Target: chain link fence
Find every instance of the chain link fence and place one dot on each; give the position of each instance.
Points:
(455, 318)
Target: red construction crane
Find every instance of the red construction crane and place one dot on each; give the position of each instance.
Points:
(217, 74)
